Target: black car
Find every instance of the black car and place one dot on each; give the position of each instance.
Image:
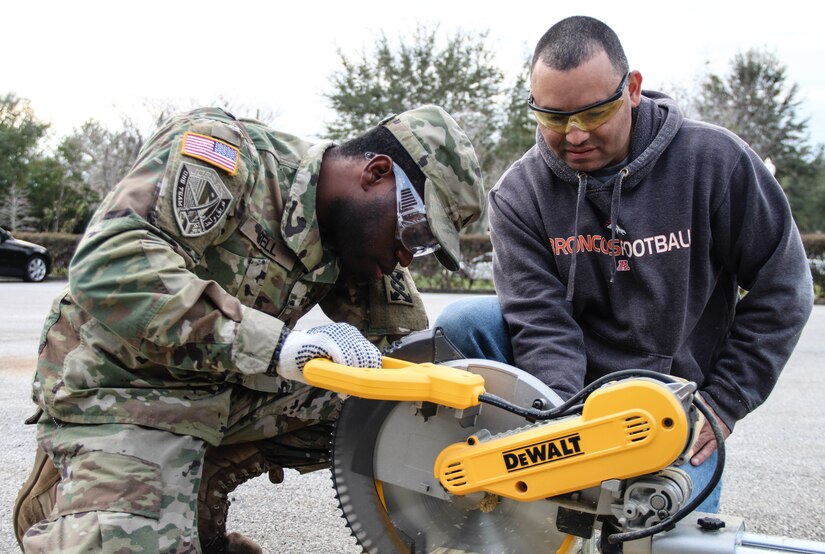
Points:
(19, 258)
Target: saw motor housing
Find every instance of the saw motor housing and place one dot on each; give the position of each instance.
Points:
(626, 429)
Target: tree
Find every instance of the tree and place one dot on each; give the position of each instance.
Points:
(460, 76)
(518, 129)
(806, 193)
(101, 157)
(87, 164)
(20, 134)
(755, 102)
(61, 200)
(15, 209)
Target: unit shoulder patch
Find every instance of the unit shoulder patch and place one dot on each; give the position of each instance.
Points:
(200, 200)
(211, 150)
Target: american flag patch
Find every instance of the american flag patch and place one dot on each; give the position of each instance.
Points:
(211, 150)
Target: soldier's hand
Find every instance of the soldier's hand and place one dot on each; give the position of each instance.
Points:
(340, 342)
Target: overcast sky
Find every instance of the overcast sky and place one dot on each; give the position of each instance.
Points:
(82, 59)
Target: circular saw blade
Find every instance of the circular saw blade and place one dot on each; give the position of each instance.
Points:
(441, 526)
(353, 478)
(383, 458)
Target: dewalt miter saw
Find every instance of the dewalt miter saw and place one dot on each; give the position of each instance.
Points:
(435, 453)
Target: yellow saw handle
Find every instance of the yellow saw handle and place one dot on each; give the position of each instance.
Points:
(398, 380)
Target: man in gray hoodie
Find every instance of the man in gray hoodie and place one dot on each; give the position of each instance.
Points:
(622, 240)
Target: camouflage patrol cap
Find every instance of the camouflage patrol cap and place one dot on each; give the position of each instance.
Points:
(453, 190)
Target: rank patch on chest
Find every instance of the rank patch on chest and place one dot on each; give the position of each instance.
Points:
(200, 201)
(398, 290)
(211, 150)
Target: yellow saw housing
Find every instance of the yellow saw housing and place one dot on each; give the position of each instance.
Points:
(626, 429)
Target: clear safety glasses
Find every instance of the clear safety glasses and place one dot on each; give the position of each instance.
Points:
(413, 229)
(587, 118)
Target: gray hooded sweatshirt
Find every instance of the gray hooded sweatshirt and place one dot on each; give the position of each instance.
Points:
(644, 271)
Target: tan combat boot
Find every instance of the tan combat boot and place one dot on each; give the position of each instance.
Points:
(226, 467)
(36, 497)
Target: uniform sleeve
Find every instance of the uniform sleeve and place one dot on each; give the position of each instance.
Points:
(756, 239)
(132, 271)
(382, 310)
(547, 342)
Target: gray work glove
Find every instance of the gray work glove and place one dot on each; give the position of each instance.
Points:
(340, 342)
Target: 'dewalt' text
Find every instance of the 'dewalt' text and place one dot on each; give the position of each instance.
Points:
(543, 452)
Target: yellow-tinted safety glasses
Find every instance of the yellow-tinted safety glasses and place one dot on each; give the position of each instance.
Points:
(587, 118)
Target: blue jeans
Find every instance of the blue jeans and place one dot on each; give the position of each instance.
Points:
(477, 327)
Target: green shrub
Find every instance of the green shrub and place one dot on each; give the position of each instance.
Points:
(430, 276)
(814, 245)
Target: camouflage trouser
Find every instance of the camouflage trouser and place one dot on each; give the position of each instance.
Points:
(127, 488)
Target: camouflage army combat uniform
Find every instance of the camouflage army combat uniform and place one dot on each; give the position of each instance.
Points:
(180, 290)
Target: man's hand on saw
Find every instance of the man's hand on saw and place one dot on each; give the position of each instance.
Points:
(706, 442)
(340, 342)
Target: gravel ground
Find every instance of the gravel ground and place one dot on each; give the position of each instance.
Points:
(775, 476)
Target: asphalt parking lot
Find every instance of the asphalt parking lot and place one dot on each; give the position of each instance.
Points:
(774, 479)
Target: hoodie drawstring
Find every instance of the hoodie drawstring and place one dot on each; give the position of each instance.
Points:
(615, 203)
(571, 279)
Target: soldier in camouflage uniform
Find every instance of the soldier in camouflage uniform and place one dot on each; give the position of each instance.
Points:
(174, 336)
